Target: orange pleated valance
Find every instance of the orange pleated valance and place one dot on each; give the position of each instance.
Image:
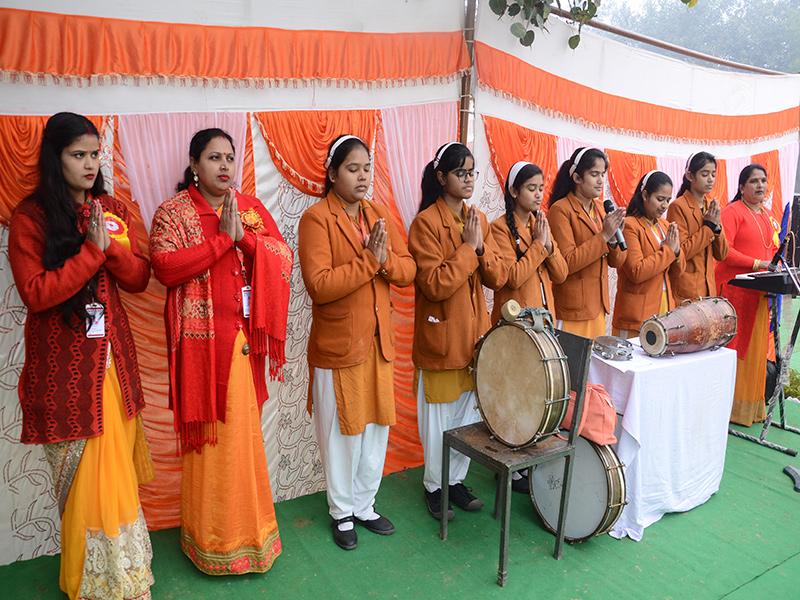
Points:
(512, 77)
(509, 143)
(93, 49)
(298, 140)
(625, 169)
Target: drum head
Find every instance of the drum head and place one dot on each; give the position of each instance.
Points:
(512, 384)
(588, 494)
(653, 337)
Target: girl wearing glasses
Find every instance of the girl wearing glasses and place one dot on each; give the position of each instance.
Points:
(586, 239)
(455, 256)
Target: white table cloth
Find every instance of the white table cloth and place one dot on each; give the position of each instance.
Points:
(674, 433)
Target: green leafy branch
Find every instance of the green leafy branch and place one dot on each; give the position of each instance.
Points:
(529, 15)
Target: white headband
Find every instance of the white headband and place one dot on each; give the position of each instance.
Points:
(646, 177)
(515, 169)
(577, 160)
(441, 153)
(338, 143)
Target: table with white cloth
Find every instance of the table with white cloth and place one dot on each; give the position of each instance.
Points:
(674, 429)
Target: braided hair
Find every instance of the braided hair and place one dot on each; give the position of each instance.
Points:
(528, 171)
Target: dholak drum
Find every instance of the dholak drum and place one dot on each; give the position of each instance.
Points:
(522, 380)
(596, 493)
(693, 326)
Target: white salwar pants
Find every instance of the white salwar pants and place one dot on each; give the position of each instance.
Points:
(433, 420)
(353, 463)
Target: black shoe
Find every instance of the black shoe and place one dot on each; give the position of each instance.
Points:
(521, 485)
(518, 485)
(434, 502)
(346, 540)
(381, 525)
(463, 499)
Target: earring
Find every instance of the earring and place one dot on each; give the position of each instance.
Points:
(196, 179)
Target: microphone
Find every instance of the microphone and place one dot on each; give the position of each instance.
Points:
(609, 207)
(773, 264)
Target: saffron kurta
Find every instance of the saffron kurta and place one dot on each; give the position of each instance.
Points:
(752, 235)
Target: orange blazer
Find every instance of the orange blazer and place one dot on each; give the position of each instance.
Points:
(535, 272)
(700, 248)
(349, 290)
(641, 280)
(450, 313)
(584, 293)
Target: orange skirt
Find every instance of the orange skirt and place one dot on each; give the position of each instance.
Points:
(751, 372)
(105, 547)
(228, 524)
(589, 329)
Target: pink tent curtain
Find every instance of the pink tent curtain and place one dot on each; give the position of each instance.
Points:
(156, 148)
(413, 133)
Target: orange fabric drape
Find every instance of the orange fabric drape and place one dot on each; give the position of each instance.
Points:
(37, 43)
(625, 169)
(161, 498)
(720, 191)
(19, 157)
(509, 143)
(771, 162)
(404, 450)
(298, 140)
(249, 167)
(519, 80)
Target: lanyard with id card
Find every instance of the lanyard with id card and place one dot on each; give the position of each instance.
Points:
(247, 291)
(95, 320)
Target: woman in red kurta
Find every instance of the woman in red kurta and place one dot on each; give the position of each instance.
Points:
(227, 271)
(753, 239)
(70, 247)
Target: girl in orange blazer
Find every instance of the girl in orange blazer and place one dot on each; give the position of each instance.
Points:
(643, 286)
(703, 241)
(586, 240)
(526, 245)
(455, 256)
(349, 254)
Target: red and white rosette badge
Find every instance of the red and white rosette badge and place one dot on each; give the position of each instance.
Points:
(117, 229)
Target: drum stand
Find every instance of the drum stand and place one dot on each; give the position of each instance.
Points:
(782, 360)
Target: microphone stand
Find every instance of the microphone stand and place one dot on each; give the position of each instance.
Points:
(782, 359)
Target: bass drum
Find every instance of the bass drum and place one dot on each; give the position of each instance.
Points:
(596, 495)
(522, 381)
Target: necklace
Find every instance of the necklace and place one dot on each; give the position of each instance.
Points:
(767, 245)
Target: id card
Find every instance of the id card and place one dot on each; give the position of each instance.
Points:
(95, 320)
(246, 291)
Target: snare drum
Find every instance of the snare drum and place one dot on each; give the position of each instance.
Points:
(596, 493)
(693, 326)
(522, 382)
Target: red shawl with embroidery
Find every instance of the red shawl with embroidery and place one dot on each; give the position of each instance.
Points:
(189, 310)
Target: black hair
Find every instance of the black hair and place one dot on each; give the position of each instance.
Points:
(453, 158)
(698, 161)
(62, 237)
(655, 181)
(564, 184)
(525, 173)
(744, 176)
(342, 152)
(199, 142)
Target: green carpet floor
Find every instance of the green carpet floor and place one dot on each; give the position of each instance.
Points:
(744, 543)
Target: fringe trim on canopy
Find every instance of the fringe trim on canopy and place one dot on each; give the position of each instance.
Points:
(629, 132)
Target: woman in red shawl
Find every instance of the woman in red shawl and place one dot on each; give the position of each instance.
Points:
(70, 248)
(226, 269)
(753, 239)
